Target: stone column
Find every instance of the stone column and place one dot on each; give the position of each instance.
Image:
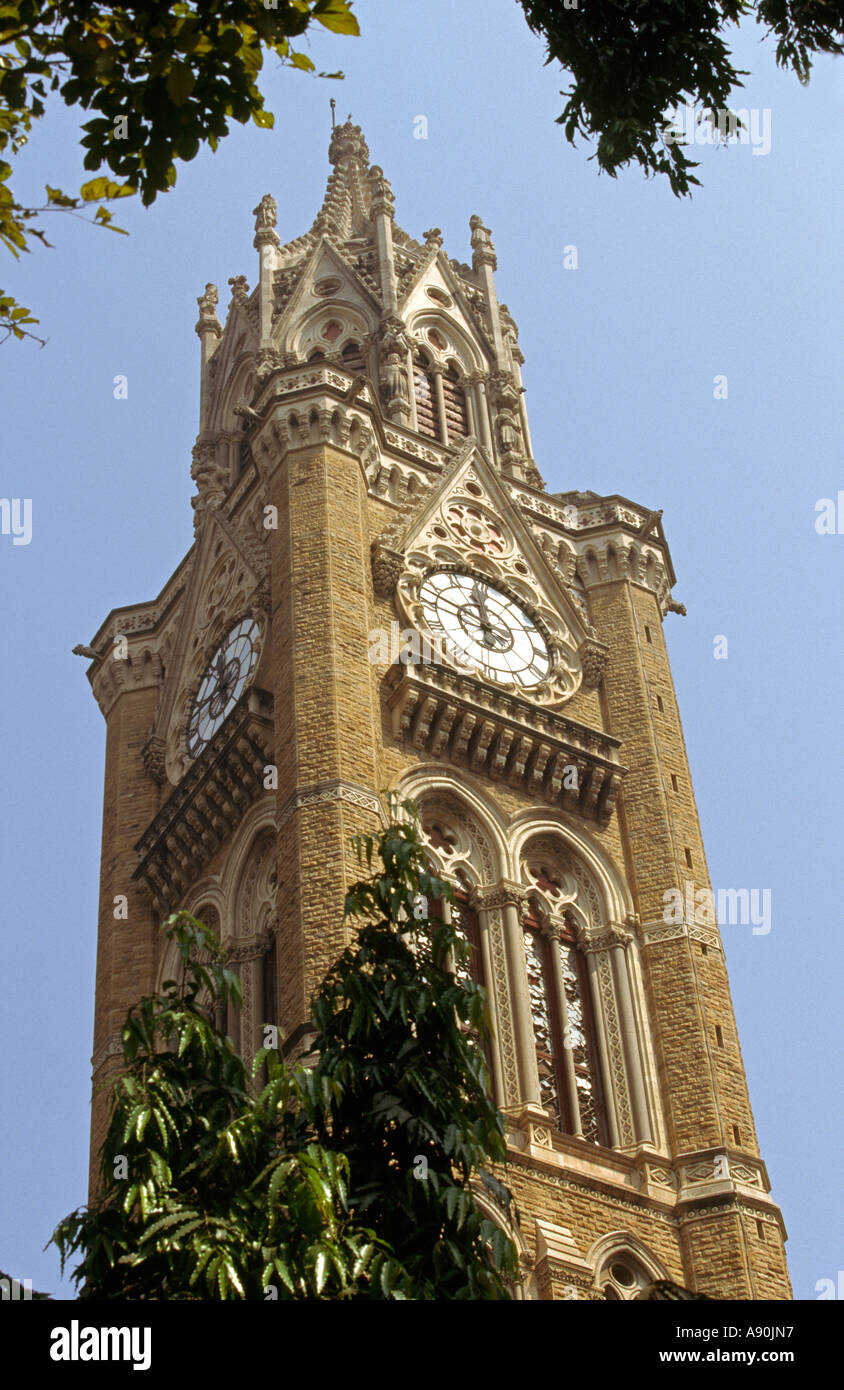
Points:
(488, 971)
(382, 215)
(267, 244)
(482, 412)
(553, 931)
(439, 396)
(210, 331)
(518, 359)
(414, 423)
(327, 726)
(509, 899)
(630, 1038)
(595, 966)
(129, 941)
(484, 263)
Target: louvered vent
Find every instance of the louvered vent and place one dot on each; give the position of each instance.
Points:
(353, 358)
(456, 410)
(427, 420)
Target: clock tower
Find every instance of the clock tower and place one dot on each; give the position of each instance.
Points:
(382, 594)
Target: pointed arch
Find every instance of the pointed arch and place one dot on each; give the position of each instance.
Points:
(623, 1266)
(605, 1074)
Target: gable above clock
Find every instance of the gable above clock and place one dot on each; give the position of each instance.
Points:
(464, 569)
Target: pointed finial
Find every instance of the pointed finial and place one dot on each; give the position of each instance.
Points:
(483, 251)
(347, 142)
(333, 108)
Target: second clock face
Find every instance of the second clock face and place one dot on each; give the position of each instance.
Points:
(488, 631)
(223, 684)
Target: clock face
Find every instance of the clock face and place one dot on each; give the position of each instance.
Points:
(223, 684)
(486, 630)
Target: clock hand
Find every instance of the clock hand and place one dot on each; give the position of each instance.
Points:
(478, 598)
(495, 638)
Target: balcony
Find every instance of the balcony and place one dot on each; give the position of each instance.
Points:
(202, 811)
(506, 738)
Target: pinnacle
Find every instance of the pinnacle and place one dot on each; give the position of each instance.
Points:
(347, 143)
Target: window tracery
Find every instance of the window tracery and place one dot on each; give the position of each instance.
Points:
(567, 1050)
(622, 1278)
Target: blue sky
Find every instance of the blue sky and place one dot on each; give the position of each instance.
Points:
(621, 355)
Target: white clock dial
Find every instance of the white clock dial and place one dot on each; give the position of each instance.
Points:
(489, 632)
(223, 684)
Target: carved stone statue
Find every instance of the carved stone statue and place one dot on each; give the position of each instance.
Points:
(394, 379)
(208, 302)
(240, 287)
(266, 212)
(208, 321)
(509, 438)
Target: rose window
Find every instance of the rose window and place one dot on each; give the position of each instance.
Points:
(475, 528)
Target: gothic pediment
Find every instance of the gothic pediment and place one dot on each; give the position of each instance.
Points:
(328, 284)
(468, 521)
(434, 294)
(234, 356)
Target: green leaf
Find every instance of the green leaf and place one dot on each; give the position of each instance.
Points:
(336, 16)
(180, 83)
(95, 189)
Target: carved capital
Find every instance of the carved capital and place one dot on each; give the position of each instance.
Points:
(267, 362)
(259, 608)
(593, 658)
(249, 948)
(606, 938)
(504, 392)
(387, 566)
(502, 894)
(153, 753)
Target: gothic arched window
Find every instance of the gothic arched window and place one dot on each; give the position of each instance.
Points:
(563, 1028)
(456, 408)
(424, 392)
(465, 921)
(622, 1278)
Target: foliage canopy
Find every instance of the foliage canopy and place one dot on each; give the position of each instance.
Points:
(346, 1178)
(161, 80)
(634, 61)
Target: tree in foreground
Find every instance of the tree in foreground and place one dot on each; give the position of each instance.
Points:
(400, 1087)
(161, 81)
(348, 1179)
(635, 61)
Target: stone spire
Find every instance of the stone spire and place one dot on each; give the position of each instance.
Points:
(347, 206)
